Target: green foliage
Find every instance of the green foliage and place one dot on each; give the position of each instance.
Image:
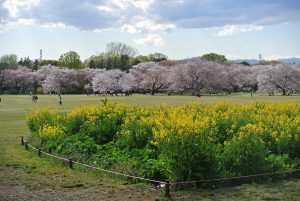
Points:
(8, 61)
(157, 57)
(26, 62)
(140, 59)
(109, 61)
(281, 162)
(245, 154)
(268, 62)
(245, 63)
(120, 49)
(193, 158)
(36, 120)
(117, 55)
(184, 143)
(80, 147)
(50, 62)
(71, 59)
(135, 133)
(221, 59)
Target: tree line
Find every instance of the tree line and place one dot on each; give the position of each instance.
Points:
(117, 55)
(196, 77)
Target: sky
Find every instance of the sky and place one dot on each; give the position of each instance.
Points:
(180, 29)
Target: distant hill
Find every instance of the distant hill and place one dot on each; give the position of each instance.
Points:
(290, 60)
(250, 61)
(255, 61)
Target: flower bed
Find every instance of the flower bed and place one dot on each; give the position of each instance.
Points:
(184, 143)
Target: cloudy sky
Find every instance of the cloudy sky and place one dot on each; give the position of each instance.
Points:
(177, 28)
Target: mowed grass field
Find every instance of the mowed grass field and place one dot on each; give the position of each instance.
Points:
(25, 176)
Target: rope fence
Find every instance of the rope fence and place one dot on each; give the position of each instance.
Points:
(164, 184)
(237, 177)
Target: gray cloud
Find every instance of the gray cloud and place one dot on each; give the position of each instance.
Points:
(103, 14)
(208, 13)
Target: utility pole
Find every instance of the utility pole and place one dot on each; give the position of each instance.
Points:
(260, 57)
(41, 54)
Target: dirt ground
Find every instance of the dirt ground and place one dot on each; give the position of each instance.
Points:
(14, 186)
(18, 193)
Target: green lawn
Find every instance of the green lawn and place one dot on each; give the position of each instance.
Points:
(24, 172)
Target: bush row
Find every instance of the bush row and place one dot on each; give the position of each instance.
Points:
(184, 143)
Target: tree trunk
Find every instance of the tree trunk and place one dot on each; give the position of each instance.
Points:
(153, 89)
(283, 92)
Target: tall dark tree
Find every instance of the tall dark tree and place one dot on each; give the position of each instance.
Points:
(157, 57)
(26, 62)
(36, 65)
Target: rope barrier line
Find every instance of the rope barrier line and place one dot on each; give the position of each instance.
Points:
(54, 156)
(32, 147)
(101, 169)
(118, 173)
(237, 177)
(163, 182)
(57, 157)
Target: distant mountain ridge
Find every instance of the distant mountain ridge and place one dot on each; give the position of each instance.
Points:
(255, 61)
(252, 61)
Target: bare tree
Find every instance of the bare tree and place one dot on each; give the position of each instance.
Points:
(120, 49)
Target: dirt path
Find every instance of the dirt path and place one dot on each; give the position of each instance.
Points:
(18, 193)
(19, 183)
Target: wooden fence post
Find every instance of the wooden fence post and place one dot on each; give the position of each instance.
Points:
(39, 152)
(167, 189)
(22, 140)
(71, 163)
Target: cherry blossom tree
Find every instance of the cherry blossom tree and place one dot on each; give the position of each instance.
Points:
(197, 77)
(237, 77)
(61, 80)
(150, 76)
(111, 81)
(22, 80)
(85, 78)
(281, 77)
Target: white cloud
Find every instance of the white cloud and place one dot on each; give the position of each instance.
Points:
(118, 3)
(151, 39)
(13, 6)
(145, 25)
(53, 25)
(104, 8)
(129, 29)
(152, 16)
(112, 6)
(6, 25)
(229, 30)
(143, 4)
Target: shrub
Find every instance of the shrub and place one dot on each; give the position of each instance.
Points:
(246, 152)
(182, 143)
